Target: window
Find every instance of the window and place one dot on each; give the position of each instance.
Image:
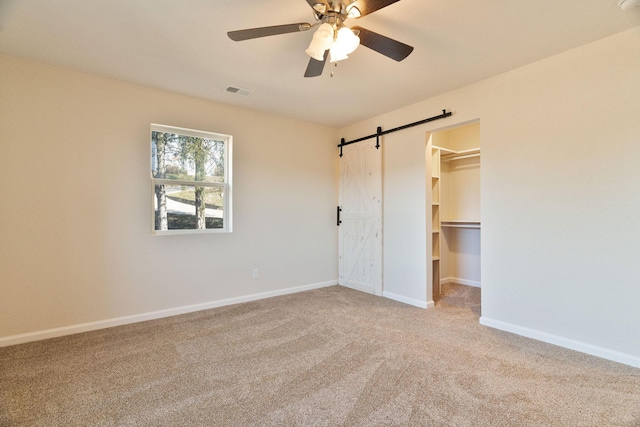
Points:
(190, 180)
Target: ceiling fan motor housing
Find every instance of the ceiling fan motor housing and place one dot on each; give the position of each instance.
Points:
(628, 4)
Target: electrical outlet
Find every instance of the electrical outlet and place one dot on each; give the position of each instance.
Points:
(256, 273)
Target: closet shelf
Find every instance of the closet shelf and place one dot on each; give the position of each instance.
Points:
(460, 223)
(448, 155)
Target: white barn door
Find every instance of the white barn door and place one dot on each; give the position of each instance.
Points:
(360, 237)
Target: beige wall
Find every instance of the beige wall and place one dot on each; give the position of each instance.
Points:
(560, 196)
(75, 220)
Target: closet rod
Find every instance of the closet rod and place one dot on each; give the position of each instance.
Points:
(467, 156)
(380, 132)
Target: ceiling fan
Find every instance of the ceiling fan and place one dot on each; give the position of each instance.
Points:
(332, 38)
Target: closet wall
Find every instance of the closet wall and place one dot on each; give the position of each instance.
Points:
(456, 206)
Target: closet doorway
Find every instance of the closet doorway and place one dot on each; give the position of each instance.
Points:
(454, 156)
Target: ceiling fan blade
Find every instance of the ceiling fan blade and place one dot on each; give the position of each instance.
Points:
(315, 67)
(369, 6)
(254, 33)
(388, 47)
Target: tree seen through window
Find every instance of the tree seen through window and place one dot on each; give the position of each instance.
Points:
(190, 175)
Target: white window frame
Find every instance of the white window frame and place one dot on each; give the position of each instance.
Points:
(227, 223)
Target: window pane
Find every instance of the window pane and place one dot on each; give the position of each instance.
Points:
(188, 207)
(187, 158)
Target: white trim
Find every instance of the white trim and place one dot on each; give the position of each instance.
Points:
(411, 301)
(460, 281)
(189, 132)
(593, 350)
(178, 182)
(142, 317)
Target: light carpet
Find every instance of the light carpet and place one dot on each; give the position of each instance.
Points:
(327, 357)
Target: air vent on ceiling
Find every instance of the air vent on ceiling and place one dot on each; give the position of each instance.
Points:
(238, 91)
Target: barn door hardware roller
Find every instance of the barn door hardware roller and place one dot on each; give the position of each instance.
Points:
(380, 132)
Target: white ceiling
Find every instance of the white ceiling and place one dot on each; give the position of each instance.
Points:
(182, 46)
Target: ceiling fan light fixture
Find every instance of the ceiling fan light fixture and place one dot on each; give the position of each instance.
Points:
(628, 4)
(353, 12)
(344, 44)
(347, 40)
(320, 8)
(336, 54)
(322, 39)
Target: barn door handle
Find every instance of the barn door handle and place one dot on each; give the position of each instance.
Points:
(338, 215)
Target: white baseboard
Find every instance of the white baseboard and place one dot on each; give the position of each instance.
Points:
(125, 320)
(460, 281)
(407, 300)
(582, 347)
